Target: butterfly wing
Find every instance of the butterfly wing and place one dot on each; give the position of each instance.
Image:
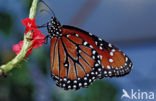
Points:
(113, 61)
(78, 58)
(72, 66)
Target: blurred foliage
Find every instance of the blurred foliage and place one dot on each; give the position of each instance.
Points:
(28, 4)
(101, 91)
(6, 23)
(42, 57)
(6, 56)
(98, 91)
(17, 85)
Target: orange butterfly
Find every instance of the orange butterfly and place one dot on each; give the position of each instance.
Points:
(78, 58)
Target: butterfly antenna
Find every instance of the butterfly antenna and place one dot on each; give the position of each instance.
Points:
(48, 7)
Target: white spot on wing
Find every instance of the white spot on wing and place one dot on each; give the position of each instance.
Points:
(91, 46)
(108, 67)
(85, 83)
(85, 43)
(99, 61)
(110, 60)
(126, 59)
(74, 86)
(90, 34)
(93, 57)
(113, 50)
(80, 84)
(68, 35)
(77, 35)
(100, 56)
(111, 53)
(110, 45)
(96, 64)
(105, 72)
(65, 65)
(96, 42)
(100, 48)
(100, 39)
(79, 51)
(75, 81)
(69, 87)
(94, 51)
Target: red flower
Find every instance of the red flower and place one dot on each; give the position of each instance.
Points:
(37, 38)
(17, 48)
(30, 24)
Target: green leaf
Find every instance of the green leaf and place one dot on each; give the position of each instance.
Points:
(6, 22)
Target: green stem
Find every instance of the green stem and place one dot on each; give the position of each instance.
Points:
(26, 45)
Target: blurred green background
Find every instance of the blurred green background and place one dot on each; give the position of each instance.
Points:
(129, 24)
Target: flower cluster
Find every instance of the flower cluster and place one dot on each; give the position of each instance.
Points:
(37, 38)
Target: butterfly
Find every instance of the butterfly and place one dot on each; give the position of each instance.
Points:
(78, 58)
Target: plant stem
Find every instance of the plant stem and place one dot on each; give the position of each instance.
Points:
(26, 45)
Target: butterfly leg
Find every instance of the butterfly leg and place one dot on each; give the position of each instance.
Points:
(46, 38)
(44, 25)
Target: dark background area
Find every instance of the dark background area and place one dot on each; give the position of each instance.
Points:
(128, 24)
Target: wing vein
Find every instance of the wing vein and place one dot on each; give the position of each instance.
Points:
(85, 61)
(54, 55)
(78, 46)
(59, 57)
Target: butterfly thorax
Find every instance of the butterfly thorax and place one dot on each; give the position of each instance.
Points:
(54, 28)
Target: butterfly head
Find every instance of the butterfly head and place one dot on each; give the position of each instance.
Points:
(54, 27)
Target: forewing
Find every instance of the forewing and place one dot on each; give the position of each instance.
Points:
(113, 61)
(78, 58)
